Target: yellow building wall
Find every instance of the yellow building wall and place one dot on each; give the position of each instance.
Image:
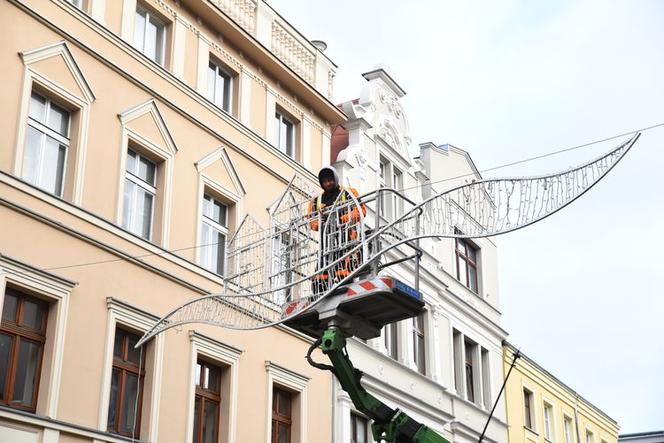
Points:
(564, 402)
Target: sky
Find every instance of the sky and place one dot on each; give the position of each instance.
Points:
(512, 79)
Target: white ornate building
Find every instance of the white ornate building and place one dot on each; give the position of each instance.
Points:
(444, 369)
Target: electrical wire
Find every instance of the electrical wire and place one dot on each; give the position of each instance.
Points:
(504, 165)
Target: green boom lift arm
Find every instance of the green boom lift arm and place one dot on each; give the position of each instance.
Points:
(389, 425)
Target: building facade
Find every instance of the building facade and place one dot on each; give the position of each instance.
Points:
(137, 134)
(541, 408)
(642, 437)
(444, 367)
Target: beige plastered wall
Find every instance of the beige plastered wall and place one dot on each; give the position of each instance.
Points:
(121, 81)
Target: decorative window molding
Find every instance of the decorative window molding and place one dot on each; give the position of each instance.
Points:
(57, 291)
(295, 382)
(232, 197)
(222, 353)
(80, 100)
(163, 151)
(121, 313)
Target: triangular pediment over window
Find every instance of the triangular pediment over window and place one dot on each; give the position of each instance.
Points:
(56, 63)
(146, 121)
(218, 166)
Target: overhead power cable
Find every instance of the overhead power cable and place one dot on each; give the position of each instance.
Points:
(505, 165)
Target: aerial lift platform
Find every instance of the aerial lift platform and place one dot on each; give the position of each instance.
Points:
(361, 309)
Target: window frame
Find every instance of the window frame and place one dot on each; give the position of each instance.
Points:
(232, 200)
(226, 357)
(77, 102)
(549, 421)
(47, 132)
(354, 417)
(297, 384)
(419, 334)
(56, 291)
(221, 70)
(149, 188)
(123, 315)
(391, 340)
(205, 395)
(528, 409)
(216, 227)
(568, 431)
(280, 118)
(469, 349)
(397, 183)
(127, 367)
(278, 418)
(162, 156)
(149, 14)
(19, 332)
(468, 263)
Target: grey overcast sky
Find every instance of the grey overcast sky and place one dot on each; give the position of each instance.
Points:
(507, 80)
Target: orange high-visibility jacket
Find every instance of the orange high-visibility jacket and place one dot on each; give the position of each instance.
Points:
(316, 204)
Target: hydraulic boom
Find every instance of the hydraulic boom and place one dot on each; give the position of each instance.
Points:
(389, 425)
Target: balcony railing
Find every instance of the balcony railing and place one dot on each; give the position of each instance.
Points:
(283, 40)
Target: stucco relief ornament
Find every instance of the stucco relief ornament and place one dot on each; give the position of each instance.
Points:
(260, 293)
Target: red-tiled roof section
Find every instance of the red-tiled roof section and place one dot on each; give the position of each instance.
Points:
(339, 142)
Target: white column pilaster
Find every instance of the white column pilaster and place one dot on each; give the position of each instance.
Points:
(270, 109)
(179, 36)
(342, 430)
(127, 26)
(203, 60)
(305, 144)
(50, 436)
(326, 142)
(433, 344)
(246, 83)
(98, 10)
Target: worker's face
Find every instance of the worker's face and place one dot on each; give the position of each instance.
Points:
(328, 183)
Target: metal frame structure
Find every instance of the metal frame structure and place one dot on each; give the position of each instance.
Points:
(270, 269)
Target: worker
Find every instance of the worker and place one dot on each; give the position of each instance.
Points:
(340, 236)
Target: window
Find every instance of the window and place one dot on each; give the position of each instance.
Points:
(391, 340)
(126, 397)
(466, 261)
(457, 344)
(418, 343)
(150, 35)
(590, 438)
(486, 379)
(281, 415)
(219, 89)
(359, 429)
(282, 268)
(567, 426)
(285, 134)
(77, 3)
(469, 368)
(397, 183)
(287, 409)
(528, 408)
(214, 230)
(207, 403)
(22, 338)
(46, 144)
(139, 194)
(548, 422)
(382, 183)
